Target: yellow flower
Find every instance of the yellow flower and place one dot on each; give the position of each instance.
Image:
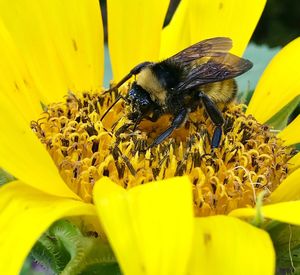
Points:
(48, 48)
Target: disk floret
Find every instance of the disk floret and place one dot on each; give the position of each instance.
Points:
(249, 160)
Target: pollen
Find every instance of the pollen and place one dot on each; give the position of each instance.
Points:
(249, 160)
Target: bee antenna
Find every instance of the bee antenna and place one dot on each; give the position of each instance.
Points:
(114, 88)
(112, 105)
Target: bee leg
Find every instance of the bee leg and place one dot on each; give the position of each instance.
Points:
(176, 123)
(216, 117)
(132, 72)
(137, 122)
(155, 115)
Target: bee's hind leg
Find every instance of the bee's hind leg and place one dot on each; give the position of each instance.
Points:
(216, 117)
(176, 123)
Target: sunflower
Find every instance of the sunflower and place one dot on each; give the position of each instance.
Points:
(51, 101)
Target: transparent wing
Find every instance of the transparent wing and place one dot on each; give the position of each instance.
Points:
(209, 47)
(212, 69)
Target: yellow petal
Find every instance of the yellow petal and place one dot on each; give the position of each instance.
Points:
(149, 227)
(176, 36)
(291, 133)
(279, 83)
(25, 213)
(287, 212)
(288, 190)
(21, 153)
(16, 84)
(196, 20)
(24, 156)
(61, 41)
(294, 162)
(225, 245)
(134, 28)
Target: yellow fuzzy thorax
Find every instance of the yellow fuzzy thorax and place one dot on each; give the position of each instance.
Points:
(250, 159)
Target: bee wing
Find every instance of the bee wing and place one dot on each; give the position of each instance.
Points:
(209, 47)
(216, 68)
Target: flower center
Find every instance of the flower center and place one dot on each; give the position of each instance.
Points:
(250, 158)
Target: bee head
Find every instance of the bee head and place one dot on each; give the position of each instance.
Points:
(139, 100)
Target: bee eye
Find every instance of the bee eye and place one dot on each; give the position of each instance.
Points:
(132, 97)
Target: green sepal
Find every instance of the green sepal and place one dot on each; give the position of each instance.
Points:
(280, 119)
(26, 269)
(5, 177)
(96, 269)
(286, 240)
(65, 249)
(50, 252)
(44, 106)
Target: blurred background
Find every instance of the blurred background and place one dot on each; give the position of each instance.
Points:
(279, 24)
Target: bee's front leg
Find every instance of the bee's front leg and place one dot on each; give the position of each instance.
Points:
(216, 117)
(178, 120)
(137, 117)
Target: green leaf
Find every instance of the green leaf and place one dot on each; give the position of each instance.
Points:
(286, 240)
(280, 120)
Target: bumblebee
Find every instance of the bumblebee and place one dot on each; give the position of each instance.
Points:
(203, 72)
